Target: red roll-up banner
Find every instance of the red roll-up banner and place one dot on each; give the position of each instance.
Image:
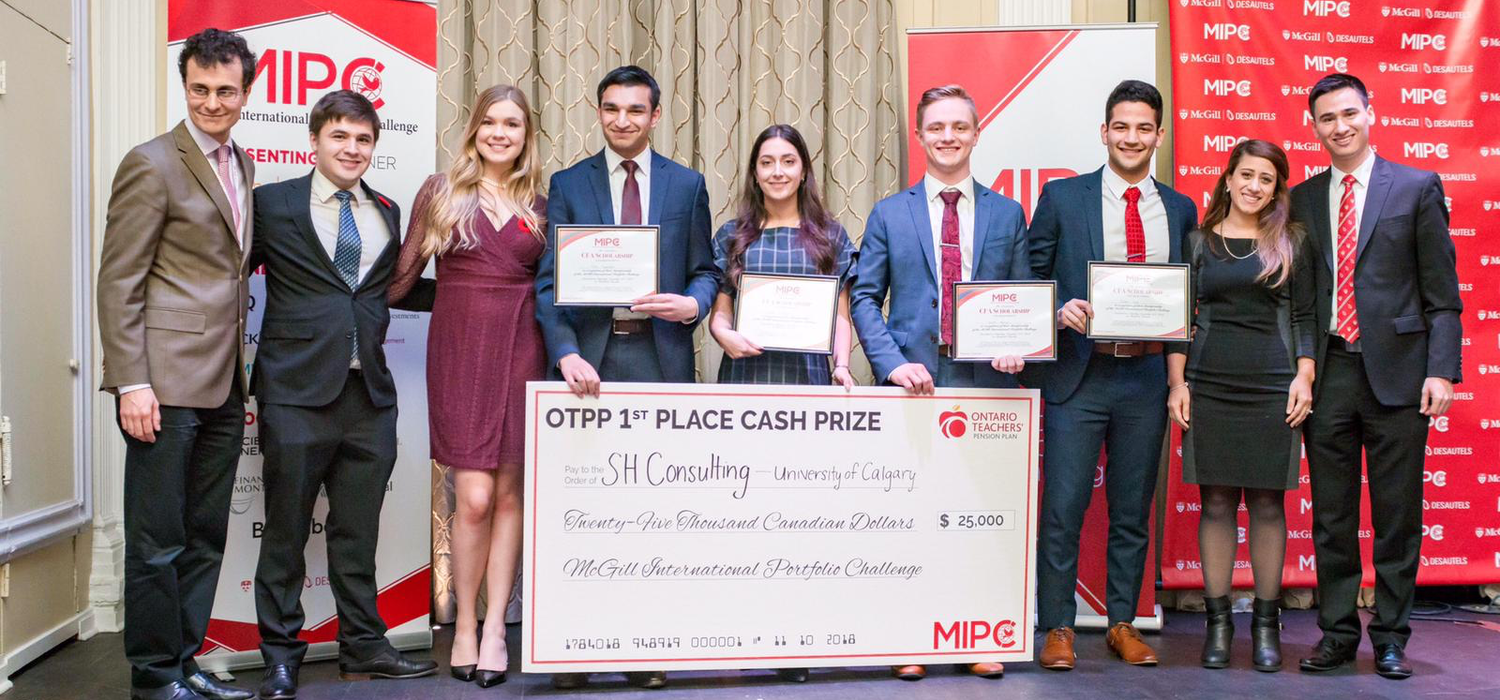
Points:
(1242, 69)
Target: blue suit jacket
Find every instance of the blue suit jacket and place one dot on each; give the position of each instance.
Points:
(679, 205)
(1067, 231)
(896, 258)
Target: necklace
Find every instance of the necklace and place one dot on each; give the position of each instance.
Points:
(1253, 249)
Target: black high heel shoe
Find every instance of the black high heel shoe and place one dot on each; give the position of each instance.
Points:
(485, 678)
(463, 673)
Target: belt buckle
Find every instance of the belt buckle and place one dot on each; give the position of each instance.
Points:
(616, 329)
(1115, 349)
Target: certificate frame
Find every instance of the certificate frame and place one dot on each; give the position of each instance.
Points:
(963, 291)
(748, 280)
(1181, 333)
(566, 293)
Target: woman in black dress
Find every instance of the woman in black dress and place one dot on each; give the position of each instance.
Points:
(1244, 386)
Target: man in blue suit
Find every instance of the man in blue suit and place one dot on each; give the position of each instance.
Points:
(630, 184)
(945, 229)
(1110, 394)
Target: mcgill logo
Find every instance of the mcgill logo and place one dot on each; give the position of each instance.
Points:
(1418, 42)
(1226, 30)
(968, 634)
(1324, 8)
(1222, 87)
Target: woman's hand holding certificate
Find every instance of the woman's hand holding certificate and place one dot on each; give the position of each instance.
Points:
(787, 312)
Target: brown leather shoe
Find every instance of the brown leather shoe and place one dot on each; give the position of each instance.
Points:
(987, 669)
(1125, 641)
(1057, 652)
(912, 672)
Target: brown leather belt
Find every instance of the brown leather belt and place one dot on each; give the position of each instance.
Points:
(1133, 349)
(629, 326)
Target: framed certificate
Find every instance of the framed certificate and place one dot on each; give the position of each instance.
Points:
(604, 265)
(787, 312)
(1140, 301)
(991, 319)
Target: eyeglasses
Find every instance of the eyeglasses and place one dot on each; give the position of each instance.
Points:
(225, 94)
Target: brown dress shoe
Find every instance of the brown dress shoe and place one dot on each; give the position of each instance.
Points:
(912, 672)
(1125, 641)
(1057, 651)
(987, 669)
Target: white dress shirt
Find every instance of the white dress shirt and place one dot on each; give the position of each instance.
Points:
(965, 205)
(373, 234)
(210, 148)
(1335, 196)
(614, 162)
(1153, 218)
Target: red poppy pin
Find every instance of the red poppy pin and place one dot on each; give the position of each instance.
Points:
(525, 228)
(384, 201)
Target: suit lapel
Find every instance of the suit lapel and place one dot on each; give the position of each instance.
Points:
(1380, 186)
(661, 178)
(1093, 210)
(1174, 222)
(299, 203)
(598, 174)
(392, 226)
(197, 164)
(921, 229)
(982, 202)
(1318, 190)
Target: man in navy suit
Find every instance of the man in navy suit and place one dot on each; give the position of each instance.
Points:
(327, 400)
(1097, 393)
(1388, 357)
(627, 183)
(959, 230)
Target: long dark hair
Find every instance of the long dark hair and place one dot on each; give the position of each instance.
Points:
(815, 233)
(1278, 238)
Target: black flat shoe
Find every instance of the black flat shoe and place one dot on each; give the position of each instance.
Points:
(1390, 662)
(463, 673)
(485, 678)
(1328, 655)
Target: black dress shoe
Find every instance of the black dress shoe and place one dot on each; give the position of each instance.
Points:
(463, 673)
(389, 664)
(650, 680)
(1328, 655)
(280, 683)
(485, 678)
(1390, 661)
(176, 690)
(205, 685)
(569, 681)
(792, 675)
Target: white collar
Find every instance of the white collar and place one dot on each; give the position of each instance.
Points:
(323, 189)
(207, 144)
(1116, 185)
(934, 187)
(1361, 173)
(613, 160)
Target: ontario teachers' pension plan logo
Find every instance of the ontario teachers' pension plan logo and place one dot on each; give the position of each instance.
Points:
(954, 423)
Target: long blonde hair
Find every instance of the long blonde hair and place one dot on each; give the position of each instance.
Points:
(455, 200)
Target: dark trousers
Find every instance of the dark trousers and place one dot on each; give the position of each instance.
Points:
(631, 358)
(177, 492)
(347, 447)
(1347, 418)
(953, 374)
(1120, 405)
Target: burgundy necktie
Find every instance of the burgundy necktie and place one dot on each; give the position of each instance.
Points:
(953, 261)
(1135, 232)
(630, 199)
(1348, 243)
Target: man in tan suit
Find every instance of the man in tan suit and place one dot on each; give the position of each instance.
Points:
(172, 301)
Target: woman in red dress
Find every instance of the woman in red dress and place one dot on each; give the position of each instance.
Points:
(482, 220)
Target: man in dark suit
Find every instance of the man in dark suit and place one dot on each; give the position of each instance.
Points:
(1102, 393)
(1388, 358)
(962, 231)
(627, 183)
(172, 300)
(327, 400)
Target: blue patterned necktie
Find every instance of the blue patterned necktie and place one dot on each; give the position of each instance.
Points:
(346, 253)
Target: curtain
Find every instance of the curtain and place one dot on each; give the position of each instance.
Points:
(727, 70)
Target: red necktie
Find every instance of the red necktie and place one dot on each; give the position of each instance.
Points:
(630, 199)
(1135, 232)
(953, 262)
(1347, 244)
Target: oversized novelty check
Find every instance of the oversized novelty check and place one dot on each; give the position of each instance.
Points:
(681, 526)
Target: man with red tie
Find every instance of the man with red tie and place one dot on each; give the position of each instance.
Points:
(947, 228)
(1389, 307)
(1102, 394)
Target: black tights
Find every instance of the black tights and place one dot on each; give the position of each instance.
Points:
(1218, 538)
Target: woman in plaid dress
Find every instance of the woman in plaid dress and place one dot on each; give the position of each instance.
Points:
(781, 227)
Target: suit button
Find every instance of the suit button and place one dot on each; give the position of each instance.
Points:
(934, 303)
(932, 338)
(350, 334)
